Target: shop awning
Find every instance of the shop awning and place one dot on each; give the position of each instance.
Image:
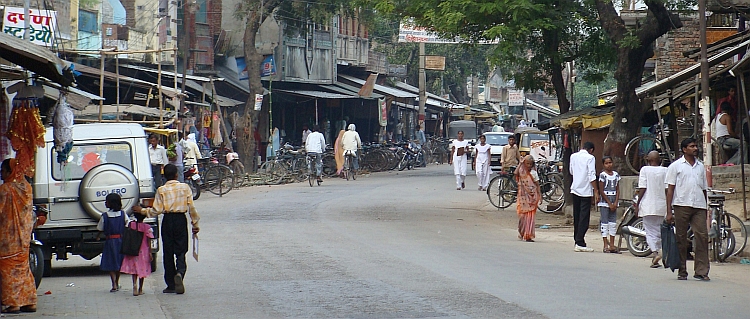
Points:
(588, 119)
(109, 76)
(35, 58)
(541, 108)
(132, 109)
(346, 89)
(76, 98)
(319, 94)
(382, 88)
(172, 74)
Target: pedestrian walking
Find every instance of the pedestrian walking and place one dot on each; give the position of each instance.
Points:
(177, 158)
(158, 156)
(510, 156)
(139, 266)
(652, 203)
(528, 199)
(112, 225)
(609, 194)
(686, 206)
(174, 200)
(305, 132)
(459, 148)
(338, 153)
(583, 189)
(17, 287)
(482, 163)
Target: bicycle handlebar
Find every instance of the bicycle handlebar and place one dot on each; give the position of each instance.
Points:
(719, 191)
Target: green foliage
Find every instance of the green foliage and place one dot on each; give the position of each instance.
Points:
(629, 41)
(586, 93)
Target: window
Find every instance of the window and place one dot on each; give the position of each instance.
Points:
(84, 157)
(497, 139)
(88, 21)
(200, 15)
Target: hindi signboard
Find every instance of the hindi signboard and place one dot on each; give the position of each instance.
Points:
(515, 97)
(434, 62)
(408, 32)
(42, 24)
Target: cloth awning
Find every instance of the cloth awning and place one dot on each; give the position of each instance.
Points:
(35, 58)
(382, 88)
(588, 119)
(319, 94)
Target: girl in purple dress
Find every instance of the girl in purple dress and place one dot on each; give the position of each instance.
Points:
(139, 266)
(112, 225)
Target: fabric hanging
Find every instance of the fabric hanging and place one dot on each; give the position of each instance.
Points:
(216, 129)
(4, 117)
(26, 134)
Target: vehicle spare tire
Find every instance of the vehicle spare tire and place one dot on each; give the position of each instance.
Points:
(102, 180)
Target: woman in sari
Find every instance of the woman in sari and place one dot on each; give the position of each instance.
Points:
(17, 285)
(338, 152)
(528, 199)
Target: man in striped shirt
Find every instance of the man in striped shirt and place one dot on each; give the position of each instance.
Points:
(173, 199)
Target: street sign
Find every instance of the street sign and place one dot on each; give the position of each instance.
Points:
(515, 97)
(434, 62)
(397, 70)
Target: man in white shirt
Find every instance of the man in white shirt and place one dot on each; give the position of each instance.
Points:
(158, 156)
(305, 132)
(191, 150)
(686, 195)
(652, 202)
(583, 188)
(351, 143)
(315, 145)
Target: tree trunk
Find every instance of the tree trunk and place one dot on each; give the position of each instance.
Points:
(248, 122)
(559, 85)
(629, 109)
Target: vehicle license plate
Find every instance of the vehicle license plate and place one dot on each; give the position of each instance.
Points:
(195, 177)
(154, 243)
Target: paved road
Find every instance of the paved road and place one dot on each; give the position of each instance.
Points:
(392, 245)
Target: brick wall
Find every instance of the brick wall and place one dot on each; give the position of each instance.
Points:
(668, 49)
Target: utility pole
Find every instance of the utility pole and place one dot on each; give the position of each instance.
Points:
(422, 84)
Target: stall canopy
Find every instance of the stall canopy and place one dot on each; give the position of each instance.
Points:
(381, 88)
(318, 94)
(589, 119)
(36, 59)
(109, 76)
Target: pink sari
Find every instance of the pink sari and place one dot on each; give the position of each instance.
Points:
(527, 202)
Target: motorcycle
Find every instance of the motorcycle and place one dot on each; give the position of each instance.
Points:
(631, 227)
(193, 179)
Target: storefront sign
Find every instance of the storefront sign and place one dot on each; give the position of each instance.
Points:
(434, 62)
(268, 67)
(42, 24)
(383, 107)
(515, 98)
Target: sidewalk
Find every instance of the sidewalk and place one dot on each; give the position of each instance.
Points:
(79, 289)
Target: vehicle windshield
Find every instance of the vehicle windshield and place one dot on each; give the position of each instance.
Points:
(527, 140)
(497, 139)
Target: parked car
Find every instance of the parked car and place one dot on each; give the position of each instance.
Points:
(105, 158)
(497, 141)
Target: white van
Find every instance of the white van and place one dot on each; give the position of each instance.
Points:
(105, 158)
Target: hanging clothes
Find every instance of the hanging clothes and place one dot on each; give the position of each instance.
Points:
(4, 116)
(216, 129)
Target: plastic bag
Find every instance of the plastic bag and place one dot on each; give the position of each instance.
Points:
(62, 129)
(670, 251)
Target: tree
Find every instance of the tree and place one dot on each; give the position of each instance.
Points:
(254, 13)
(633, 46)
(536, 38)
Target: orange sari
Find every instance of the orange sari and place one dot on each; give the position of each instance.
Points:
(338, 152)
(16, 221)
(527, 202)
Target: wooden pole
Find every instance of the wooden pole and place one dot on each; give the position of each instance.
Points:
(158, 83)
(117, 81)
(101, 84)
(742, 147)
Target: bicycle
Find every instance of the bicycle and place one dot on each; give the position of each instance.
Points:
(349, 171)
(722, 240)
(503, 189)
(217, 178)
(314, 175)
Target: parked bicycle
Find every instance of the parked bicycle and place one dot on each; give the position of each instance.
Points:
(503, 189)
(217, 178)
(727, 233)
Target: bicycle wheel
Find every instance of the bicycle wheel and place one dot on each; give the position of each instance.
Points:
(273, 175)
(329, 165)
(347, 168)
(740, 232)
(353, 172)
(299, 169)
(219, 179)
(501, 192)
(239, 173)
(724, 245)
(553, 197)
(638, 148)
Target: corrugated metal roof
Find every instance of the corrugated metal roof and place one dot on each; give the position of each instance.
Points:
(382, 88)
(172, 74)
(94, 72)
(349, 90)
(35, 58)
(319, 94)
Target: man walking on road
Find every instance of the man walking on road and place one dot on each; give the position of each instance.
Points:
(315, 145)
(583, 169)
(686, 195)
(510, 156)
(158, 156)
(174, 199)
(652, 202)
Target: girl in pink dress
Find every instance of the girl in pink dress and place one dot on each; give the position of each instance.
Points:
(139, 266)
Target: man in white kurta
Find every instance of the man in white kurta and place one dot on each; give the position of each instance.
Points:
(652, 202)
(460, 146)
